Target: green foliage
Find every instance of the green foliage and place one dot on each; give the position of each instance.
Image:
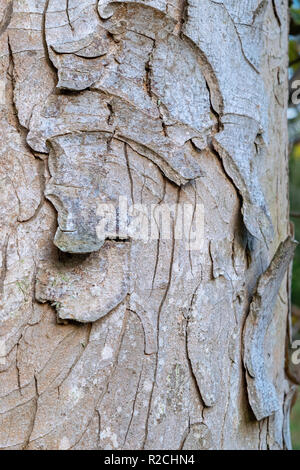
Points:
(295, 208)
(293, 50)
(295, 14)
(293, 54)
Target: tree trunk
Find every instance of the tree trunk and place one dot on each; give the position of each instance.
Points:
(166, 330)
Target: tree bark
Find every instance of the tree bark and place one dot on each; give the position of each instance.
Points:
(116, 341)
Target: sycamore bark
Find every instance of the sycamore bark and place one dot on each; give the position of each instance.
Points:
(113, 342)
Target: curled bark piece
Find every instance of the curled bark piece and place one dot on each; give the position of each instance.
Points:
(64, 116)
(170, 101)
(261, 391)
(105, 284)
(235, 145)
(243, 117)
(290, 395)
(76, 43)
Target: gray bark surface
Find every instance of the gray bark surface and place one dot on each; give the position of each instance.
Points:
(111, 342)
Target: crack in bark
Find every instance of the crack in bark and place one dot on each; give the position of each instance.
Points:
(213, 99)
(210, 77)
(114, 366)
(158, 321)
(226, 412)
(4, 264)
(32, 423)
(133, 405)
(183, 15)
(238, 36)
(20, 129)
(88, 334)
(18, 370)
(262, 392)
(68, 15)
(262, 5)
(45, 45)
(190, 365)
(148, 85)
(185, 434)
(276, 14)
(111, 114)
(42, 180)
(129, 172)
(58, 388)
(158, 241)
(23, 132)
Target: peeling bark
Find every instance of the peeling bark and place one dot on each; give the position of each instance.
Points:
(115, 342)
(262, 394)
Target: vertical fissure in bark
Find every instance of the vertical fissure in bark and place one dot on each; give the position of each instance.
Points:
(158, 321)
(68, 16)
(33, 419)
(276, 13)
(4, 263)
(52, 68)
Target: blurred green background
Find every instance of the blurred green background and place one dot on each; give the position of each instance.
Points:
(294, 143)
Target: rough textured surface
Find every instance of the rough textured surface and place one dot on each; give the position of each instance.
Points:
(86, 289)
(116, 342)
(262, 393)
